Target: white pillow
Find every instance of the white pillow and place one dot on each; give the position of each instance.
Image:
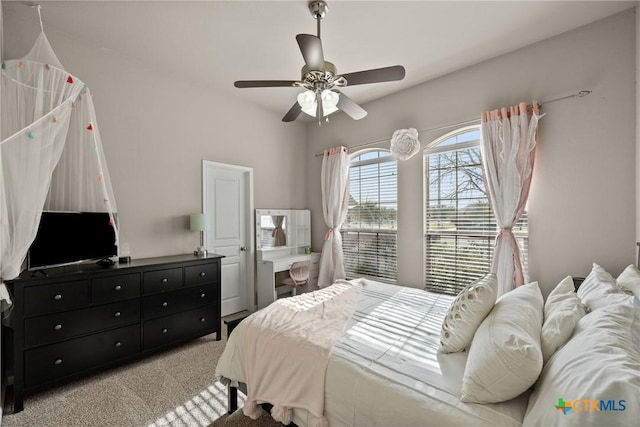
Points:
(466, 313)
(562, 310)
(599, 362)
(505, 358)
(600, 289)
(629, 280)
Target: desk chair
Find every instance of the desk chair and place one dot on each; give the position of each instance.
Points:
(298, 275)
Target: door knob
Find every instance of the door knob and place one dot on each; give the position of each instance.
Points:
(243, 248)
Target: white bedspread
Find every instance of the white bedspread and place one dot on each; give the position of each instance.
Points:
(285, 339)
(385, 369)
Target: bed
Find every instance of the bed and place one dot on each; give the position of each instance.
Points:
(386, 369)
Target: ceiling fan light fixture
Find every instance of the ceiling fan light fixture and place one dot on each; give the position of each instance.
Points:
(307, 101)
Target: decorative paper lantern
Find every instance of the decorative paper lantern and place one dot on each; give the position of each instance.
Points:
(404, 143)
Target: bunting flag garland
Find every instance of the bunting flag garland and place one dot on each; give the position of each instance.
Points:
(47, 67)
(31, 135)
(90, 127)
(21, 64)
(70, 80)
(86, 88)
(4, 66)
(99, 178)
(54, 119)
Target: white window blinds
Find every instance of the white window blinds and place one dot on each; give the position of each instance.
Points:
(460, 228)
(370, 232)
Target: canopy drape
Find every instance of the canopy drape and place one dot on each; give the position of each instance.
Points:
(51, 154)
(508, 142)
(335, 204)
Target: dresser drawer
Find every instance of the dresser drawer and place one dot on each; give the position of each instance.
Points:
(177, 301)
(162, 280)
(188, 324)
(55, 327)
(200, 274)
(57, 297)
(114, 288)
(56, 361)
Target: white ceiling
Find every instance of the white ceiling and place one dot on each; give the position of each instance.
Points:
(214, 43)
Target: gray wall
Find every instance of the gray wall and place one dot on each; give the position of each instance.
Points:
(582, 201)
(156, 130)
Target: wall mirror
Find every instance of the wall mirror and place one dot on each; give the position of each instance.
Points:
(281, 228)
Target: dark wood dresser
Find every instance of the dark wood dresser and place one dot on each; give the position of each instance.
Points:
(86, 318)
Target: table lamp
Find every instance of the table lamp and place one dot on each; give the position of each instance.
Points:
(199, 222)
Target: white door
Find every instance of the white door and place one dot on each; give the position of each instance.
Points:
(228, 199)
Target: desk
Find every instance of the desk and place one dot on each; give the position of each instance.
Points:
(267, 269)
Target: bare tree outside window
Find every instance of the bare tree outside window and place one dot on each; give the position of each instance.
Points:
(460, 227)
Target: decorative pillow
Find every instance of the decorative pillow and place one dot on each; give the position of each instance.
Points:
(598, 364)
(600, 289)
(629, 280)
(562, 310)
(466, 313)
(505, 358)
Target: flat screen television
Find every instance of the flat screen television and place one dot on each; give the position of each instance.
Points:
(65, 238)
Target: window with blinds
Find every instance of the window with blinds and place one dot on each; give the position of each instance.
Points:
(369, 234)
(460, 228)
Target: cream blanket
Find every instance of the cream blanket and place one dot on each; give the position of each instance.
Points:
(287, 347)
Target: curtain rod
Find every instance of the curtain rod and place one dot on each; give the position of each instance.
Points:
(579, 94)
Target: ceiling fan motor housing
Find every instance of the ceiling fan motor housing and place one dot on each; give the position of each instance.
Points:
(313, 79)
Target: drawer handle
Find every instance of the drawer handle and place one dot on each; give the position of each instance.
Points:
(58, 297)
(164, 280)
(165, 330)
(202, 320)
(202, 274)
(117, 287)
(202, 295)
(57, 327)
(58, 362)
(117, 314)
(164, 304)
(118, 344)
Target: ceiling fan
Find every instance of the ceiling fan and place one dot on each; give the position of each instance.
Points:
(321, 79)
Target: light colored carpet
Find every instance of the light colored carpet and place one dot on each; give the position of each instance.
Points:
(238, 419)
(173, 388)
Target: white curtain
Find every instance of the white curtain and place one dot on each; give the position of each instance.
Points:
(508, 142)
(335, 204)
(51, 153)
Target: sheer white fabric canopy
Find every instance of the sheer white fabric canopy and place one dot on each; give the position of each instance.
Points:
(51, 153)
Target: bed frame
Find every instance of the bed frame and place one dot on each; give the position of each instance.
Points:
(232, 392)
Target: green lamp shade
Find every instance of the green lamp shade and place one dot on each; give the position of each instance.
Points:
(199, 222)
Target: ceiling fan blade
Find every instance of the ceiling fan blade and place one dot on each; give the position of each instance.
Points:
(386, 74)
(265, 83)
(311, 48)
(293, 113)
(352, 109)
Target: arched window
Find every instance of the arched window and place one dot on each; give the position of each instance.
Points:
(369, 235)
(460, 228)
